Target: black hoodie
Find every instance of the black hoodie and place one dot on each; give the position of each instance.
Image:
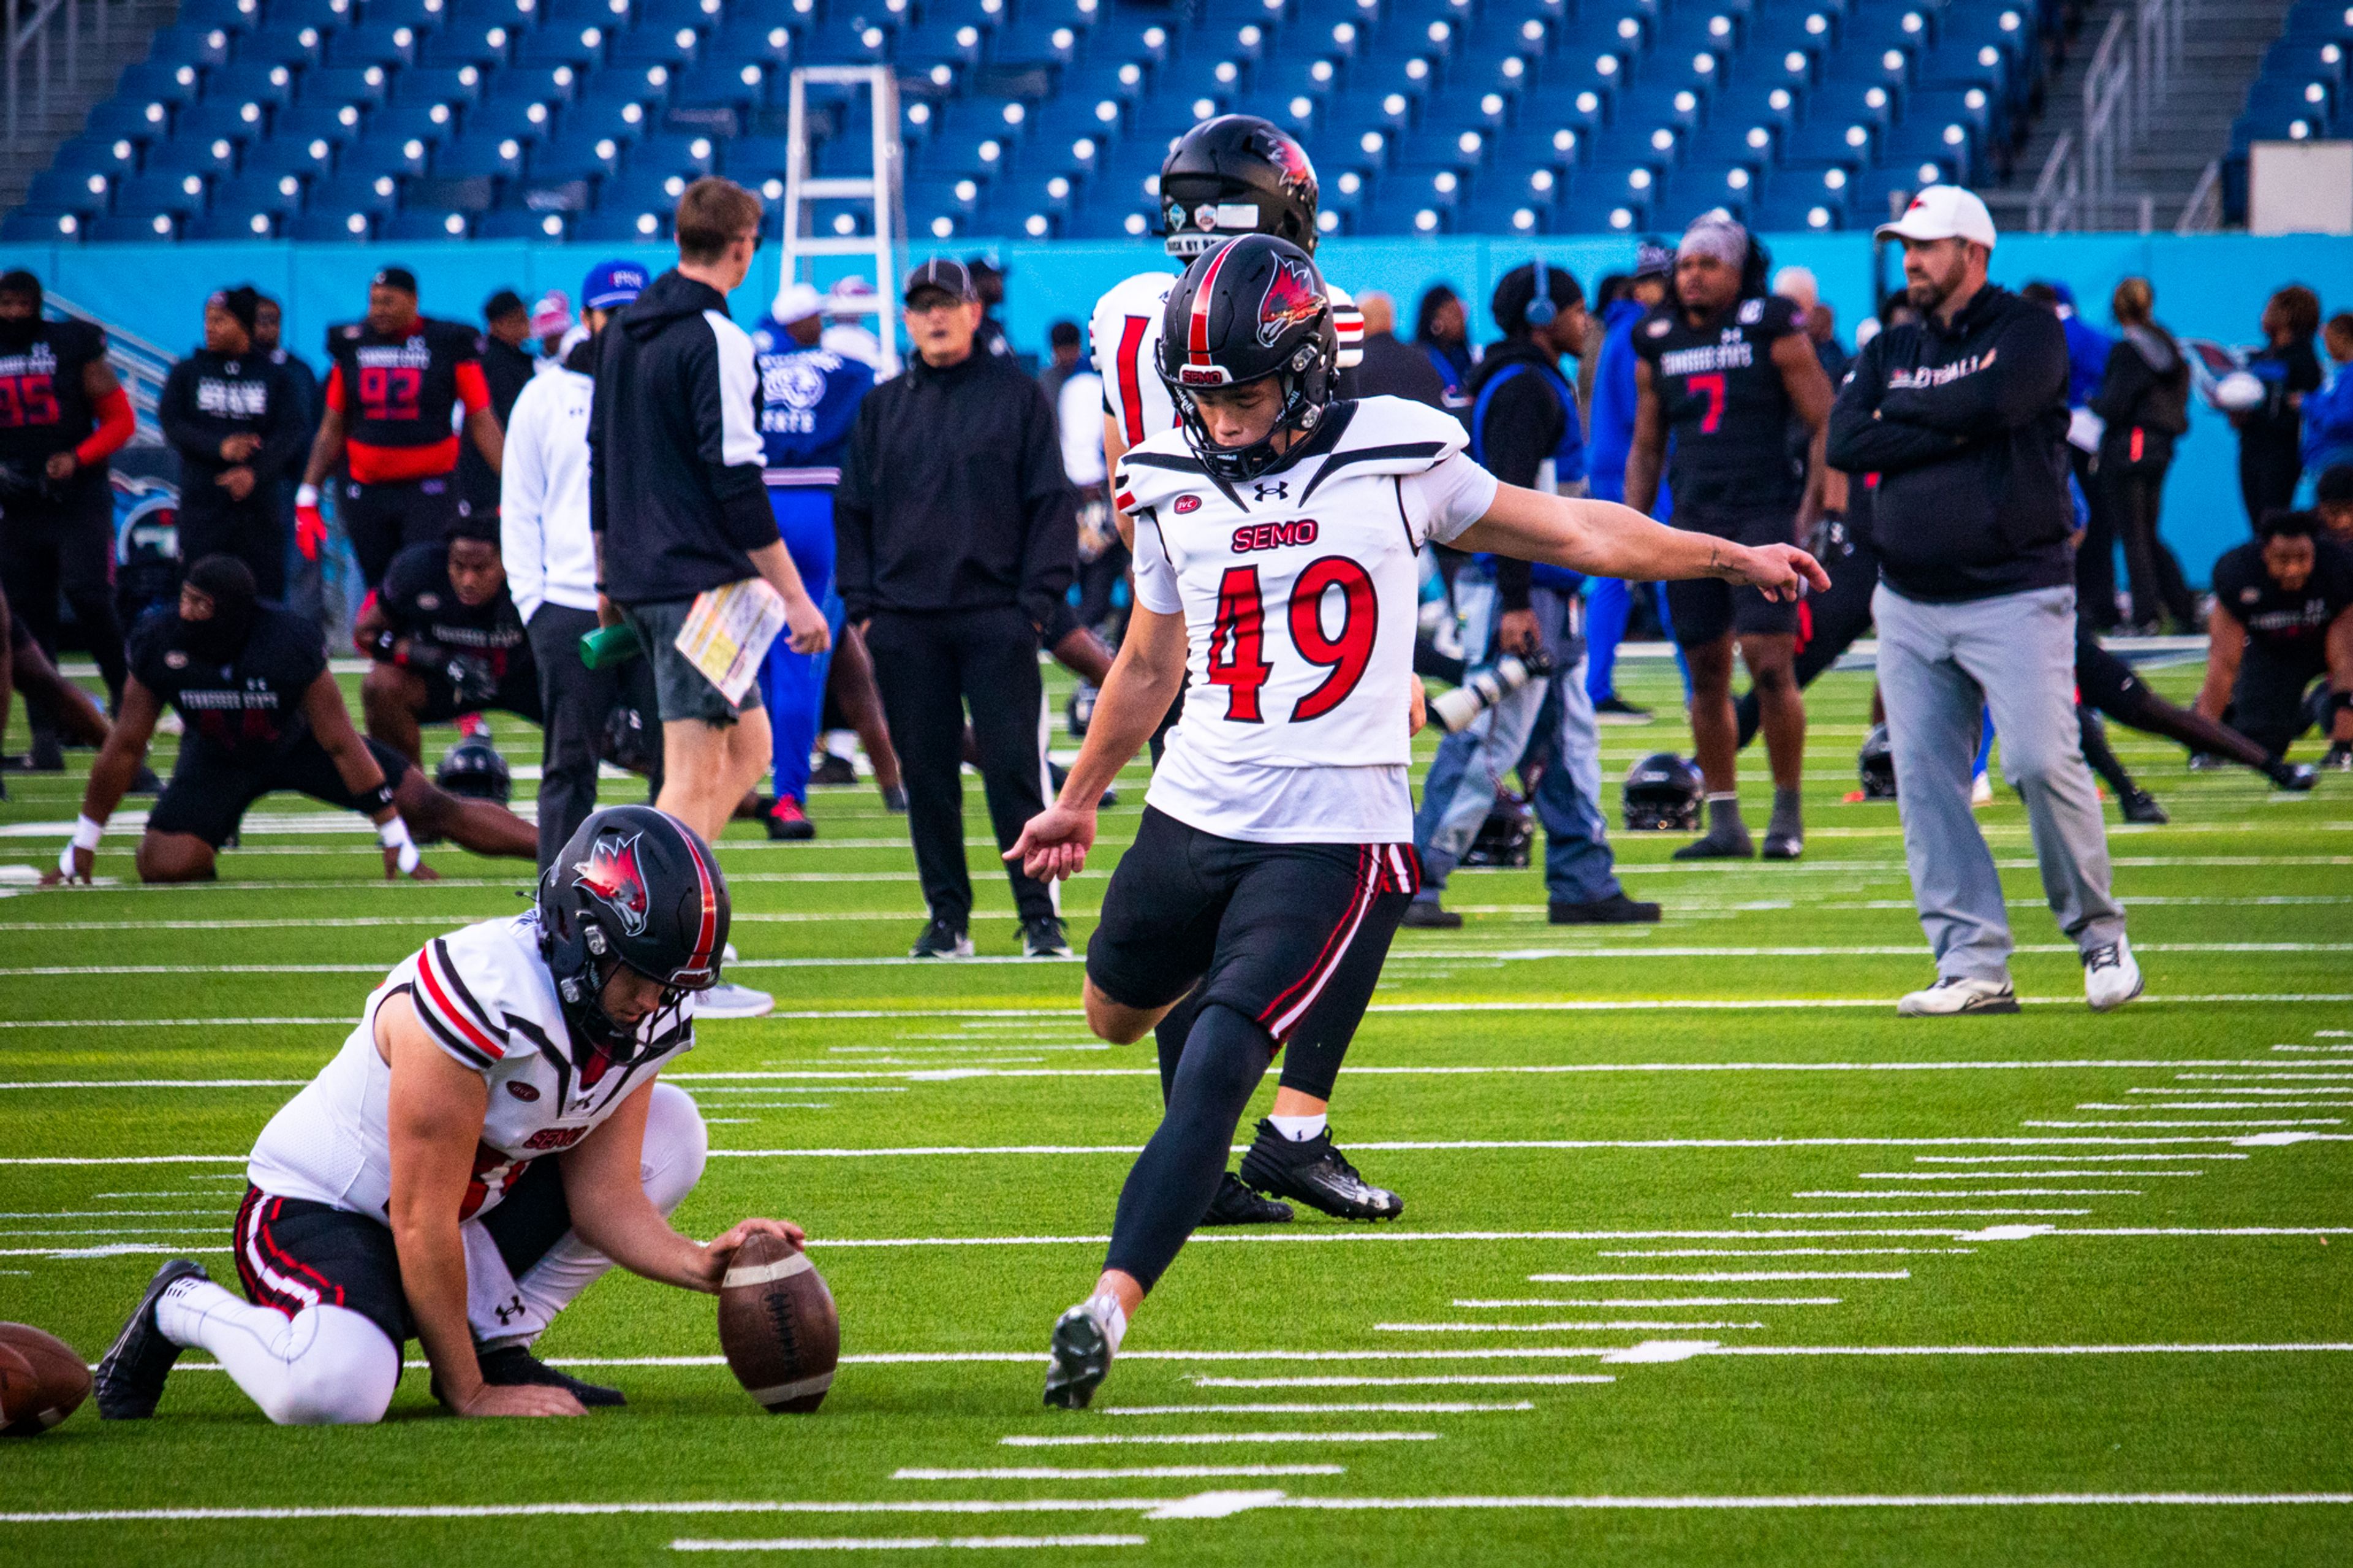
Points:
(675, 488)
(2144, 397)
(1966, 424)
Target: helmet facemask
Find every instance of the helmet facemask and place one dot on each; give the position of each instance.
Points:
(1305, 382)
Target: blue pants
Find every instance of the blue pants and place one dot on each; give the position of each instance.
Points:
(792, 684)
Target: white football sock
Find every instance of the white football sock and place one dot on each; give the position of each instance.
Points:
(1108, 1315)
(1300, 1128)
(324, 1366)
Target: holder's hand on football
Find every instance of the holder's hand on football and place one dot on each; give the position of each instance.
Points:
(519, 1399)
(1053, 844)
(1781, 571)
(720, 1250)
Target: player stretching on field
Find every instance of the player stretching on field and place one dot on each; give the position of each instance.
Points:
(404, 1194)
(1275, 579)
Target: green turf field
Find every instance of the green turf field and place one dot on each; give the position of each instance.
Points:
(1706, 1257)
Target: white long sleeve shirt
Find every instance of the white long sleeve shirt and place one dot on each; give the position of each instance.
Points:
(543, 496)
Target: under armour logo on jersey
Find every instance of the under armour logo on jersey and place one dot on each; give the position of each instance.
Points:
(508, 1310)
(1271, 489)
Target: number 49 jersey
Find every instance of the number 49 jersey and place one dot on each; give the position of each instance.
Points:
(1125, 332)
(1299, 591)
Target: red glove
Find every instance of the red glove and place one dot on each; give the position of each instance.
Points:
(310, 527)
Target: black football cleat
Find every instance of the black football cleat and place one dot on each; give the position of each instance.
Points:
(1318, 1174)
(2139, 805)
(131, 1377)
(513, 1366)
(2296, 777)
(1237, 1204)
(941, 940)
(1044, 938)
(1429, 914)
(1078, 1360)
(833, 771)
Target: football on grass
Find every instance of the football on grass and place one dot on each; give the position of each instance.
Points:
(42, 1381)
(778, 1325)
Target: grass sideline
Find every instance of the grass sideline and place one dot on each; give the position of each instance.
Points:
(2135, 1347)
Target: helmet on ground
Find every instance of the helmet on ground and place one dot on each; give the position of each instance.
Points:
(474, 769)
(1504, 839)
(1662, 795)
(1876, 763)
(1248, 310)
(1236, 173)
(636, 887)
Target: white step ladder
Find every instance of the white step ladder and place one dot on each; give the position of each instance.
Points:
(884, 187)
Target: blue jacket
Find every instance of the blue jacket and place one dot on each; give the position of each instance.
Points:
(809, 398)
(2087, 357)
(2328, 422)
(1543, 409)
(1612, 414)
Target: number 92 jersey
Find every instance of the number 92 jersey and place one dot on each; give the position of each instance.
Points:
(1299, 591)
(1125, 332)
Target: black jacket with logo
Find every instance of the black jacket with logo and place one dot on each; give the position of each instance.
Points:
(1966, 424)
(209, 397)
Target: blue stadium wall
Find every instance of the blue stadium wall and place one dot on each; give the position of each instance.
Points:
(2207, 286)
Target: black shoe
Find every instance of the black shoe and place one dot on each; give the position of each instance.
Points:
(1719, 847)
(1318, 1174)
(131, 1378)
(144, 782)
(1237, 1204)
(1429, 914)
(941, 940)
(1617, 909)
(513, 1366)
(833, 769)
(2207, 763)
(1078, 1360)
(1043, 938)
(1781, 846)
(2298, 777)
(46, 757)
(786, 822)
(1615, 710)
(2139, 805)
(894, 799)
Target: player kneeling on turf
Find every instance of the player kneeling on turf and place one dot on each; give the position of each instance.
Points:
(490, 1139)
(263, 714)
(1275, 541)
(446, 638)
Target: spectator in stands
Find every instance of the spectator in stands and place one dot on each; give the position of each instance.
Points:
(58, 537)
(2332, 501)
(305, 586)
(507, 369)
(2088, 349)
(2283, 621)
(1609, 436)
(956, 530)
(1963, 416)
(1390, 368)
(2329, 412)
(232, 415)
(395, 382)
(2270, 433)
(1442, 329)
(2144, 404)
(553, 327)
(550, 566)
(446, 638)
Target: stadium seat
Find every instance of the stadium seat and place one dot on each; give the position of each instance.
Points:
(231, 223)
(31, 226)
(315, 225)
(113, 156)
(136, 119)
(326, 16)
(618, 227)
(284, 154)
(366, 85)
(474, 154)
(348, 193)
(192, 156)
(276, 194)
(144, 229)
(371, 45)
(422, 223)
(160, 81)
(79, 191)
(234, 15)
(214, 118)
(258, 83)
(459, 85)
(177, 191)
(204, 48)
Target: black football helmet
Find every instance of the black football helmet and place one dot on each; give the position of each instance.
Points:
(1876, 763)
(1236, 175)
(633, 886)
(1662, 795)
(1250, 309)
(474, 769)
(1504, 839)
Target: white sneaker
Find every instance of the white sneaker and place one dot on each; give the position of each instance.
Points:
(1953, 995)
(729, 1000)
(2111, 977)
(1982, 790)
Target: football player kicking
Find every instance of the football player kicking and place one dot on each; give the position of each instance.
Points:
(1275, 580)
(263, 714)
(404, 1195)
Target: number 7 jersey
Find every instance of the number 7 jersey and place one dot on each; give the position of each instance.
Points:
(1299, 591)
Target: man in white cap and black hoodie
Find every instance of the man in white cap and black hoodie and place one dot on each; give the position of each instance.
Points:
(1963, 419)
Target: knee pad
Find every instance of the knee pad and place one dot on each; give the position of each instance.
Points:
(677, 1145)
(340, 1371)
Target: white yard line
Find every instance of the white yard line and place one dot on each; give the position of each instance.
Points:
(1433, 1407)
(2003, 1176)
(1890, 1214)
(1718, 1279)
(1633, 1325)
(905, 1543)
(1657, 1301)
(1995, 1193)
(1506, 1379)
(1796, 1252)
(1130, 1472)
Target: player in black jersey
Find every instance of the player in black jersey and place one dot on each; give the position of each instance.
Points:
(1723, 367)
(396, 380)
(2284, 620)
(62, 415)
(263, 714)
(446, 638)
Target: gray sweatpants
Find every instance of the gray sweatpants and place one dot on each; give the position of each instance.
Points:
(1940, 664)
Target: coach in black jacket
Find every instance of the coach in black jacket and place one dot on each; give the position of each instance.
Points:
(958, 535)
(236, 419)
(1963, 416)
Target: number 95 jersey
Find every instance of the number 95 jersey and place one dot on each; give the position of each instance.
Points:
(1299, 591)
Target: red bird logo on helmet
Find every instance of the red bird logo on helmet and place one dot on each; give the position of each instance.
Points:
(611, 873)
(1291, 297)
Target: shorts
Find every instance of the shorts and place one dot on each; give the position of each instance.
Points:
(517, 694)
(209, 794)
(381, 520)
(1292, 936)
(1706, 608)
(292, 1252)
(681, 690)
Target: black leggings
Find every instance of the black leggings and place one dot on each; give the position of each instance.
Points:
(1222, 1059)
(67, 553)
(2107, 683)
(2157, 586)
(1830, 625)
(2100, 754)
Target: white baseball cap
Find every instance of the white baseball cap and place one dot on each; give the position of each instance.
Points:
(797, 303)
(1942, 212)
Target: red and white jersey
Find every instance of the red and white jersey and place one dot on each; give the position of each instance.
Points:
(1299, 591)
(486, 997)
(1125, 332)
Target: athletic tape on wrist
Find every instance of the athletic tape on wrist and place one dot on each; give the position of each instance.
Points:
(87, 833)
(306, 495)
(393, 834)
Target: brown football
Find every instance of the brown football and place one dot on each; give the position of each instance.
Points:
(42, 1381)
(778, 1326)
